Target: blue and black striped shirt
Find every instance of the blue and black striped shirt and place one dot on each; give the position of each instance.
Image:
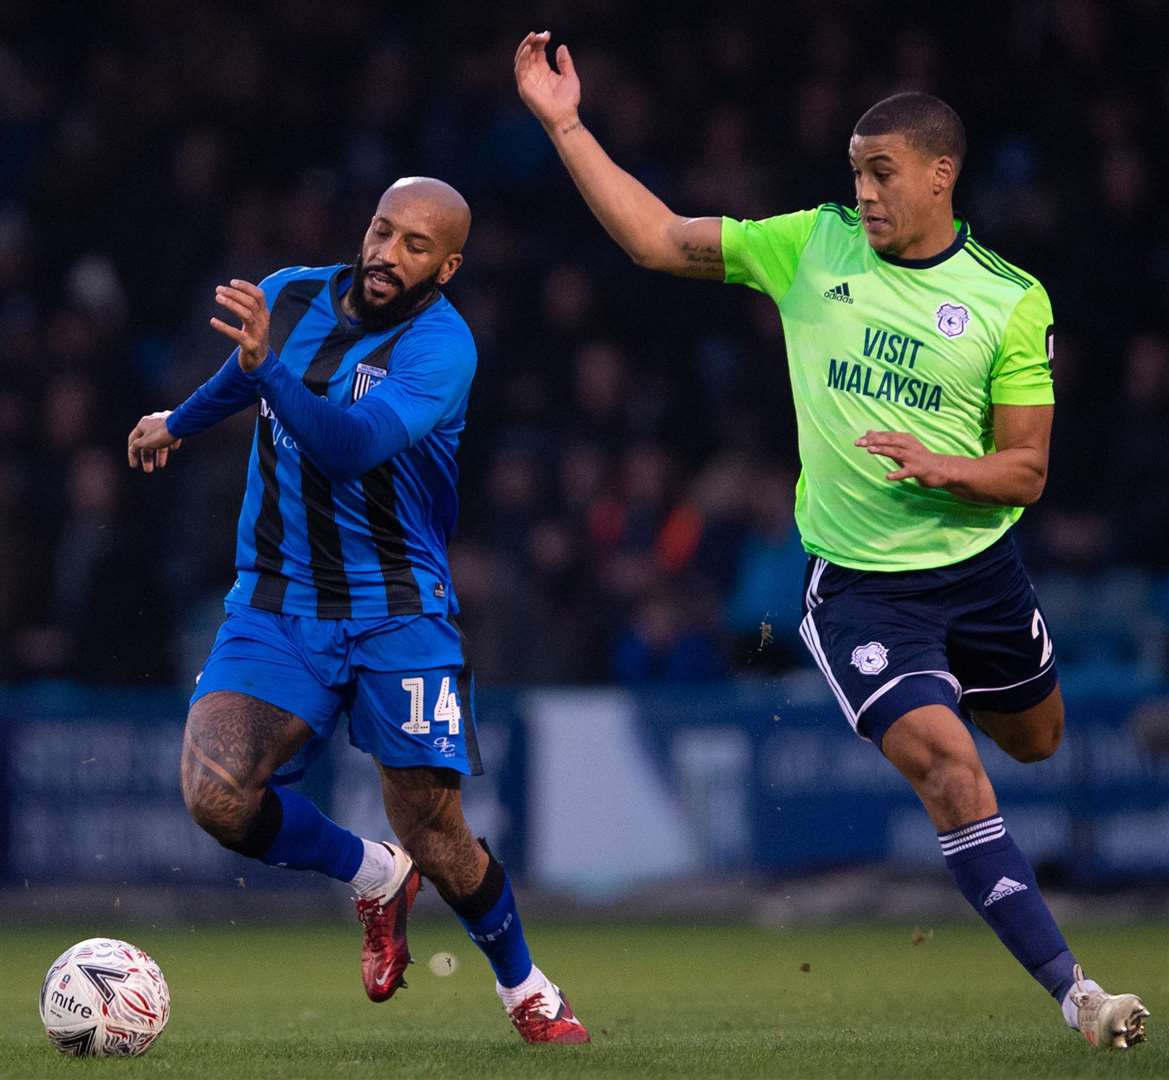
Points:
(375, 545)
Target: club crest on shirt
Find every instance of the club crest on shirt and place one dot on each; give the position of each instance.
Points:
(366, 379)
(870, 659)
(952, 319)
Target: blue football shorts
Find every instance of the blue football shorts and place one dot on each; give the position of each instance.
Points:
(970, 636)
(402, 680)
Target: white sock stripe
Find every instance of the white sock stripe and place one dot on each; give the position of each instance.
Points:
(972, 836)
(965, 830)
(974, 842)
(949, 841)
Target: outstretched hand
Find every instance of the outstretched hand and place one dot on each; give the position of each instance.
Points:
(553, 96)
(246, 300)
(151, 443)
(914, 460)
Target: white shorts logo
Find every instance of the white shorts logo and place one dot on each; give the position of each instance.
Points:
(870, 659)
(952, 319)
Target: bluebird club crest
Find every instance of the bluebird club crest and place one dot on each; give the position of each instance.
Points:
(952, 319)
(870, 659)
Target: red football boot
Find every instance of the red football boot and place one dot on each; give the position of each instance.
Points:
(384, 952)
(546, 1017)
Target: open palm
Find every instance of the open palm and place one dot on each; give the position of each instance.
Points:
(552, 96)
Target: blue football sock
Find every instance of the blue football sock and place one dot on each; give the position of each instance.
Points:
(492, 921)
(995, 876)
(307, 840)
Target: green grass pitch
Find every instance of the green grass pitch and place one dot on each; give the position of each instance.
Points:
(662, 1000)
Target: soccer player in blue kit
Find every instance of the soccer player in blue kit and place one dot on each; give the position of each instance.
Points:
(343, 600)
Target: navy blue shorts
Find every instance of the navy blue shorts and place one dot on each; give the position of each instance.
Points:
(970, 636)
(402, 680)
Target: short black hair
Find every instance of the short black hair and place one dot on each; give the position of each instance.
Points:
(927, 123)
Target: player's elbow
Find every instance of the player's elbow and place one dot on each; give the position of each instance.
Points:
(1030, 490)
(647, 258)
(658, 244)
(1033, 487)
(1033, 495)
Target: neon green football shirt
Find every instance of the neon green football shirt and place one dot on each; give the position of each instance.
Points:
(921, 346)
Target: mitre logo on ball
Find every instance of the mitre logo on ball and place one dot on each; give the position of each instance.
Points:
(871, 658)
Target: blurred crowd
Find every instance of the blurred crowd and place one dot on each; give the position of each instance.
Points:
(628, 465)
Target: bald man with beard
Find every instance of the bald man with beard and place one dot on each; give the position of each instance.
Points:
(343, 601)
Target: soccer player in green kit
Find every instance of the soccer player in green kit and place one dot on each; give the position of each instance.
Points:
(908, 343)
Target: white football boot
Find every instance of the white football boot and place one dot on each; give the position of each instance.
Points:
(1112, 1021)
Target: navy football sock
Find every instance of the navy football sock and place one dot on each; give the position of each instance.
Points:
(995, 876)
(307, 840)
(492, 921)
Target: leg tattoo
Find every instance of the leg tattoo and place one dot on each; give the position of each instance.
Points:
(232, 745)
(425, 809)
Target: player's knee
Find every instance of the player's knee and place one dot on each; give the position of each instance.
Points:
(247, 826)
(222, 815)
(953, 788)
(1027, 739)
(1038, 745)
(225, 813)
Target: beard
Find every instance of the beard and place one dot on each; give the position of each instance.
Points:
(387, 313)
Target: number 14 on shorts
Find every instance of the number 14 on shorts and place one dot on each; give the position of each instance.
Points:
(446, 708)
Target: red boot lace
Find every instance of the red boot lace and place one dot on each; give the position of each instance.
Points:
(527, 1016)
(377, 928)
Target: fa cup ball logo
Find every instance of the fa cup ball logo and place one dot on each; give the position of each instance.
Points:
(952, 319)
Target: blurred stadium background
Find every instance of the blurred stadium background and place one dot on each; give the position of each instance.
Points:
(626, 529)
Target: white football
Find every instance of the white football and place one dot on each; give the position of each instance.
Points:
(104, 998)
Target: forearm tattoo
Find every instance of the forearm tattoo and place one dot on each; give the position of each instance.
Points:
(571, 127)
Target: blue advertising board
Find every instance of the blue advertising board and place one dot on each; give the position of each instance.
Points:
(596, 791)
(90, 791)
